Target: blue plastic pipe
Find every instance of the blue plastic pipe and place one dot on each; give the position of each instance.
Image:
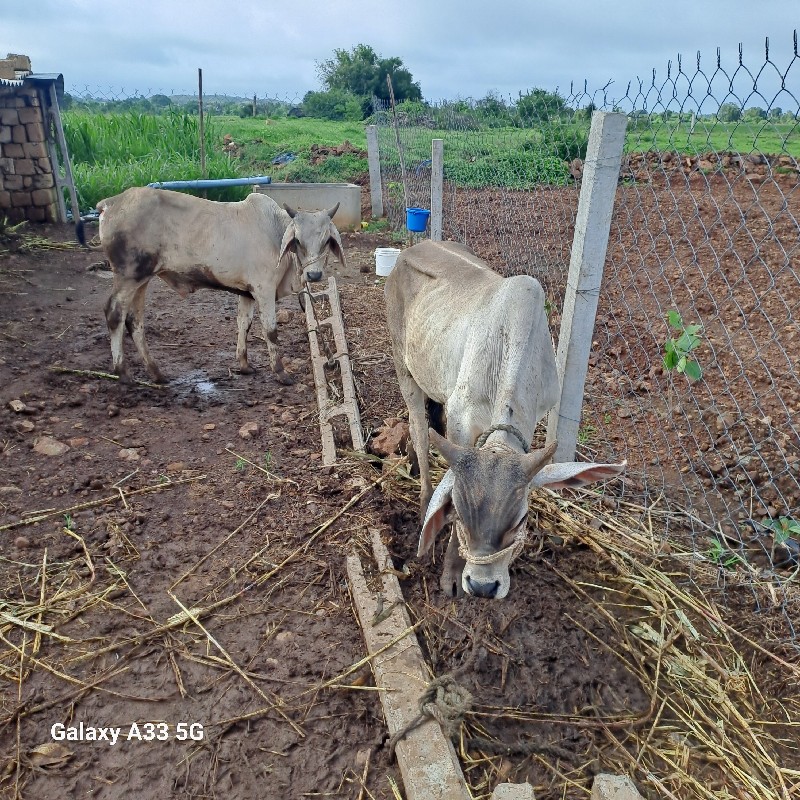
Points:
(212, 183)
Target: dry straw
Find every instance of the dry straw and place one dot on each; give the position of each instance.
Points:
(720, 722)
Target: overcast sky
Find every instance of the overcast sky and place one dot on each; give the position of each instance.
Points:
(453, 48)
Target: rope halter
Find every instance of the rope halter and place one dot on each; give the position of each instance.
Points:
(510, 552)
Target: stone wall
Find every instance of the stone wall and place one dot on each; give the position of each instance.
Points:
(27, 183)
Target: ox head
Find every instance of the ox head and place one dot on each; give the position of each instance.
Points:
(310, 237)
(485, 494)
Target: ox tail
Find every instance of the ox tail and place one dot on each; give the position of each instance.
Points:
(80, 234)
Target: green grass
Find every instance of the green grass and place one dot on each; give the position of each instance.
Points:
(745, 136)
(260, 141)
(112, 151)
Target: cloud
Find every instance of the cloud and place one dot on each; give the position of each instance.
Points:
(453, 48)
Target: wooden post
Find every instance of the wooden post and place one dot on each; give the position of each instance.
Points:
(399, 144)
(592, 226)
(254, 106)
(437, 187)
(202, 125)
(374, 160)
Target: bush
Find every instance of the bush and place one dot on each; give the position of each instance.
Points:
(337, 105)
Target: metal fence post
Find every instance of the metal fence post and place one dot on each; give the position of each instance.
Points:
(437, 184)
(592, 226)
(374, 160)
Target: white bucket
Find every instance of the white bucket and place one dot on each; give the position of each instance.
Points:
(384, 259)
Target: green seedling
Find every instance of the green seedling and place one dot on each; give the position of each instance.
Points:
(721, 555)
(783, 528)
(69, 522)
(678, 350)
(586, 433)
(240, 464)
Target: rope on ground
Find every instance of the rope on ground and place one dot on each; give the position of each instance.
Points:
(443, 700)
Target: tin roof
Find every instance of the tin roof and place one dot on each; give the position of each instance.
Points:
(38, 78)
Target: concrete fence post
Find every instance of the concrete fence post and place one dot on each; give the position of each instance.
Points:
(592, 226)
(437, 187)
(374, 160)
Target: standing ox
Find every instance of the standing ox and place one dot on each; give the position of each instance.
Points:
(479, 345)
(253, 248)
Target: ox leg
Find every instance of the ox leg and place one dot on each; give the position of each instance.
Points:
(134, 322)
(269, 323)
(244, 319)
(418, 429)
(116, 310)
(450, 582)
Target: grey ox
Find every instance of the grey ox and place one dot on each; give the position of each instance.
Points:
(253, 248)
(479, 345)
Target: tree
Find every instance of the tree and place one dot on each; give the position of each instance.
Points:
(361, 72)
(539, 105)
(755, 112)
(336, 104)
(729, 112)
(160, 101)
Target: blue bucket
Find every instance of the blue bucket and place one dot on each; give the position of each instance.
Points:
(417, 219)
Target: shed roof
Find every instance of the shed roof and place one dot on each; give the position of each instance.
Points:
(38, 78)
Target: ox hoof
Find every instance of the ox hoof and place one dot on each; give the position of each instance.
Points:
(246, 370)
(285, 378)
(450, 583)
(159, 377)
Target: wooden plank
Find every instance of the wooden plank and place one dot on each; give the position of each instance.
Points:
(68, 180)
(318, 368)
(426, 757)
(343, 356)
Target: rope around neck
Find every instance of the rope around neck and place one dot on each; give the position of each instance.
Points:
(481, 440)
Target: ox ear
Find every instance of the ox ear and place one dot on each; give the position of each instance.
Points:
(562, 476)
(288, 244)
(290, 211)
(336, 244)
(331, 212)
(440, 512)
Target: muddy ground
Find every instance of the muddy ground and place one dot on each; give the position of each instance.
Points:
(209, 494)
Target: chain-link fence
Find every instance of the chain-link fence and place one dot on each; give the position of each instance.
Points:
(705, 232)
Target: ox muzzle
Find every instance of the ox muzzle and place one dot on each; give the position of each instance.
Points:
(488, 575)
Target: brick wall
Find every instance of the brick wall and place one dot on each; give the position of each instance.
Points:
(27, 184)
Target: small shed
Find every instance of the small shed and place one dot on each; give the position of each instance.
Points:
(34, 162)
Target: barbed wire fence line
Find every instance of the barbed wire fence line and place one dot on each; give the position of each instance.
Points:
(705, 232)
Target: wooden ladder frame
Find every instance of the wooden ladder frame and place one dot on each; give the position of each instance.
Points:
(328, 408)
(59, 155)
